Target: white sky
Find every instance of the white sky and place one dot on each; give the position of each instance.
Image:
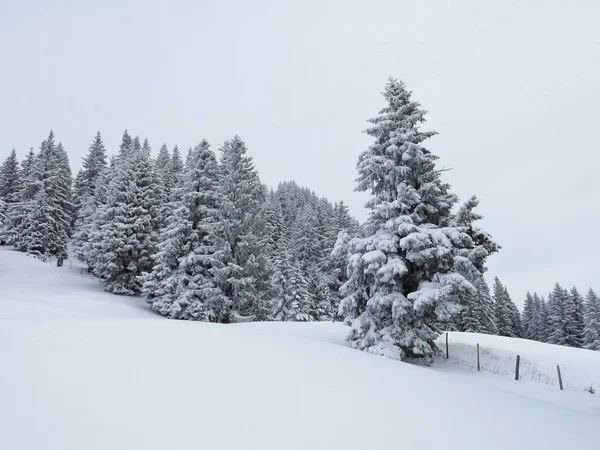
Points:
(512, 88)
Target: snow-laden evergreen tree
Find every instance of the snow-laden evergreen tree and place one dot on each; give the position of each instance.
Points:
(175, 166)
(405, 275)
(93, 164)
(326, 230)
(274, 225)
(542, 319)
(146, 148)
(126, 142)
(184, 283)
(343, 221)
(3, 218)
(477, 313)
(128, 224)
(65, 180)
(333, 275)
(10, 177)
(10, 187)
(305, 242)
(502, 310)
(296, 301)
(557, 301)
(86, 200)
(488, 317)
(45, 226)
(574, 319)
(246, 196)
(591, 332)
(516, 326)
(163, 165)
(17, 211)
(528, 317)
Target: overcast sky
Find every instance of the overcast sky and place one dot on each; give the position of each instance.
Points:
(513, 88)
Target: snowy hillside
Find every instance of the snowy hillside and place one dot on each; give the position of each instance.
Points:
(580, 368)
(82, 369)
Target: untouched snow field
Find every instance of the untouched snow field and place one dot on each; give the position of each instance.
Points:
(81, 369)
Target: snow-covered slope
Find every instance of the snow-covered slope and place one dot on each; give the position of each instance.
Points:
(81, 369)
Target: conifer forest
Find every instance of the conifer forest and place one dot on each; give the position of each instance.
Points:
(198, 235)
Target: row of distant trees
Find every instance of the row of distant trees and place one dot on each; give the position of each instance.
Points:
(566, 318)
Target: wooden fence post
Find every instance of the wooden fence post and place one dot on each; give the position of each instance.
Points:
(447, 354)
(559, 377)
(478, 368)
(517, 368)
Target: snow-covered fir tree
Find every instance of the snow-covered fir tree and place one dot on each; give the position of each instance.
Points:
(246, 195)
(10, 187)
(574, 319)
(591, 331)
(175, 166)
(477, 314)
(65, 179)
(44, 220)
(557, 301)
(93, 164)
(488, 318)
(502, 310)
(127, 225)
(295, 302)
(405, 275)
(542, 321)
(528, 317)
(186, 278)
(516, 327)
(10, 177)
(86, 199)
(305, 243)
(17, 211)
(163, 168)
(565, 318)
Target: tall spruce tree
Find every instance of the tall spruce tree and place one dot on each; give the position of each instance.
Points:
(295, 302)
(185, 281)
(305, 243)
(488, 318)
(516, 328)
(93, 164)
(45, 225)
(405, 276)
(542, 321)
(241, 186)
(502, 310)
(10, 178)
(557, 301)
(591, 331)
(18, 211)
(175, 166)
(10, 187)
(477, 308)
(128, 224)
(86, 199)
(574, 319)
(528, 317)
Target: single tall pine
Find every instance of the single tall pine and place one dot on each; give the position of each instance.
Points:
(405, 275)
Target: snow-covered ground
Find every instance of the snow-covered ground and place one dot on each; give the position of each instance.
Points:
(81, 369)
